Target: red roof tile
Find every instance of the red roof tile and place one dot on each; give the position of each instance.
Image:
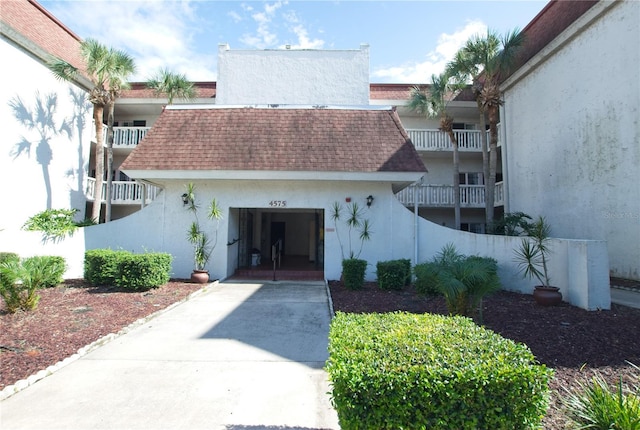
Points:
(263, 139)
(204, 90)
(41, 28)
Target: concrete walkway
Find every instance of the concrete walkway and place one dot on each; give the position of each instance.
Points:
(241, 356)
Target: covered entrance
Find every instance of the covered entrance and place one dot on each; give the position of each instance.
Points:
(279, 244)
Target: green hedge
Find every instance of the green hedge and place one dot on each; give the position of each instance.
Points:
(407, 371)
(353, 271)
(127, 270)
(101, 266)
(393, 274)
(144, 271)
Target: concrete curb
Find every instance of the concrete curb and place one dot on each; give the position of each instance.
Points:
(20, 385)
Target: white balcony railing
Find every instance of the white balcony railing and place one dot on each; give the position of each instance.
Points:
(123, 192)
(125, 137)
(436, 140)
(471, 196)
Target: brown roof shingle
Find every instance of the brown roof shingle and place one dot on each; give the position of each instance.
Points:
(42, 29)
(283, 139)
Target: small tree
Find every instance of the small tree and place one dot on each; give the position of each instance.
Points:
(173, 85)
(203, 246)
(355, 225)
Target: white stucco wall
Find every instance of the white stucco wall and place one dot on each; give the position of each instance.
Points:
(573, 134)
(54, 151)
(293, 76)
(578, 268)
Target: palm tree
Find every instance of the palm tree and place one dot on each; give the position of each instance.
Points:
(122, 67)
(433, 104)
(104, 69)
(486, 61)
(172, 85)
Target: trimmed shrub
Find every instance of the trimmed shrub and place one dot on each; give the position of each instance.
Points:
(143, 271)
(392, 275)
(353, 271)
(101, 266)
(408, 371)
(424, 281)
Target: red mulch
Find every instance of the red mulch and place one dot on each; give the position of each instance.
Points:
(574, 342)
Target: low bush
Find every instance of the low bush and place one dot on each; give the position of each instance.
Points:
(463, 280)
(127, 270)
(143, 271)
(600, 407)
(353, 271)
(101, 266)
(393, 274)
(408, 371)
(47, 270)
(7, 257)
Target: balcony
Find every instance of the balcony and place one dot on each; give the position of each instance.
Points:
(125, 137)
(441, 196)
(436, 140)
(123, 192)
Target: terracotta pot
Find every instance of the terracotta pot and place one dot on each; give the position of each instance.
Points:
(547, 296)
(200, 276)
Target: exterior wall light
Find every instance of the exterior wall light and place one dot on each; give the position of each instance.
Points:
(185, 199)
(369, 200)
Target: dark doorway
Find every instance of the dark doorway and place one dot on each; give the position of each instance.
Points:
(278, 234)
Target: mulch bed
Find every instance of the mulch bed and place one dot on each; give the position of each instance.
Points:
(574, 342)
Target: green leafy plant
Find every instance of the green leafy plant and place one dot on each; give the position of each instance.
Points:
(512, 224)
(601, 407)
(394, 274)
(203, 246)
(20, 281)
(533, 252)
(462, 280)
(353, 271)
(355, 224)
(409, 371)
(55, 224)
(101, 266)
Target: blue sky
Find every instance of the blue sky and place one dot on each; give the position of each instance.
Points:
(408, 40)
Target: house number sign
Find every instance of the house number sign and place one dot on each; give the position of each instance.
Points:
(278, 203)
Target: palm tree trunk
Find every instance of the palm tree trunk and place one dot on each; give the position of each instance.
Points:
(493, 161)
(485, 160)
(107, 214)
(456, 179)
(97, 203)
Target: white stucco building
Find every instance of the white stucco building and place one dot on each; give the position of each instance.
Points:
(277, 160)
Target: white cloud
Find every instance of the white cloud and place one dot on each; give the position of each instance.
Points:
(436, 60)
(304, 42)
(264, 36)
(156, 34)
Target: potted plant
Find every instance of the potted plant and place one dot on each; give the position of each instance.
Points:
(203, 246)
(353, 268)
(531, 257)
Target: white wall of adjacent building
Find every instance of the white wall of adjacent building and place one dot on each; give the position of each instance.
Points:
(55, 152)
(573, 132)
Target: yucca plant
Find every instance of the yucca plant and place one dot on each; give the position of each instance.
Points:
(356, 224)
(600, 407)
(532, 254)
(203, 246)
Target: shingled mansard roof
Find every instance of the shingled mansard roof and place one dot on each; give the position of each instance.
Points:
(276, 143)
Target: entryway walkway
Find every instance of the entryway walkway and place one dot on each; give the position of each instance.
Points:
(242, 355)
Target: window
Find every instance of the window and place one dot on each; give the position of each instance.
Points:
(472, 178)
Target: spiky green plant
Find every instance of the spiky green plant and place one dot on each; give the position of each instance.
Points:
(532, 254)
(601, 407)
(356, 225)
(202, 246)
